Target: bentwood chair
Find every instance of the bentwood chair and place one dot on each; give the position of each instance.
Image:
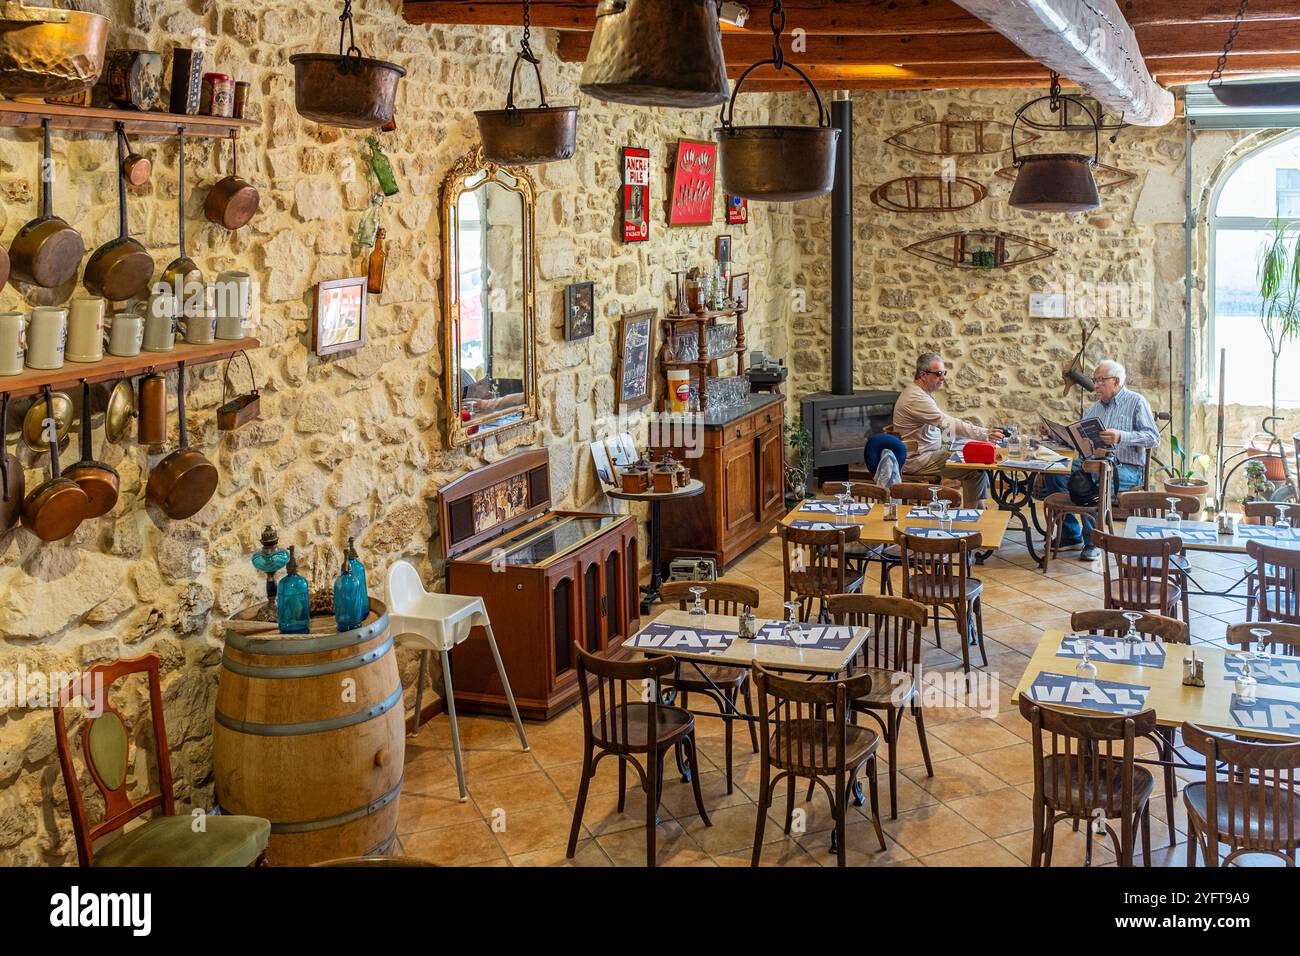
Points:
(1155, 504)
(721, 684)
(936, 575)
(816, 566)
(1059, 504)
(430, 621)
(1113, 624)
(1283, 638)
(1079, 776)
(807, 734)
(168, 839)
(858, 554)
(1265, 513)
(913, 494)
(1274, 584)
(892, 656)
(1140, 574)
(631, 722)
(1249, 803)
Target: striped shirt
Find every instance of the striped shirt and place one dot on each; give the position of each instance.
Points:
(1129, 414)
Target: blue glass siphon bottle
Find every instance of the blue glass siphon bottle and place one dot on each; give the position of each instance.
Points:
(294, 600)
(350, 603)
(358, 569)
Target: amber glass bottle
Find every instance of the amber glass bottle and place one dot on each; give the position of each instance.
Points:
(375, 271)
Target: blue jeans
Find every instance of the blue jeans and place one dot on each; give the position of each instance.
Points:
(1128, 477)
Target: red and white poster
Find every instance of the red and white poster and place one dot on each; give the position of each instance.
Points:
(693, 177)
(636, 194)
(737, 210)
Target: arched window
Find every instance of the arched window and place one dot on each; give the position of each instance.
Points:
(1261, 186)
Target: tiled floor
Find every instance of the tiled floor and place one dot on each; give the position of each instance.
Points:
(974, 811)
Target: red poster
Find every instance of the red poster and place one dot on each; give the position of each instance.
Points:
(737, 210)
(693, 176)
(636, 194)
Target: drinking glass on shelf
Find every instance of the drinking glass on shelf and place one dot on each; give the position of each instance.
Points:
(1282, 520)
(1172, 517)
(1086, 669)
(1132, 636)
(698, 607)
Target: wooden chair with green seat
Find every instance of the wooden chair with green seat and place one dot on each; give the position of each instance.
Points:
(166, 840)
(720, 597)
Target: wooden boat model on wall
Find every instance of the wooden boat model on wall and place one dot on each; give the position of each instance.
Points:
(958, 138)
(980, 249)
(928, 194)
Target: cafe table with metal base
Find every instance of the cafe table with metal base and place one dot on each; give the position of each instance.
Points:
(1204, 536)
(650, 592)
(1011, 483)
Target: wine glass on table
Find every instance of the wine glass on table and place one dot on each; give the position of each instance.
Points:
(697, 609)
(1086, 669)
(793, 632)
(1283, 521)
(1262, 636)
(1172, 516)
(1132, 636)
(845, 499)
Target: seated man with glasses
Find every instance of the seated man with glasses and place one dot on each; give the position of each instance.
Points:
(1129, 427)
(929, 433)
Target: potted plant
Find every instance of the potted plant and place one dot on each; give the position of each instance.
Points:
(799, 440)
(1185, 480)
(1278, 274)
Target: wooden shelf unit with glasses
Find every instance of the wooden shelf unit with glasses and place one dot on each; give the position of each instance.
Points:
(706, 366)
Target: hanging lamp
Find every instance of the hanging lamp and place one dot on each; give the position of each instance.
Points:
(777, 163)
(1056, 182)
(657, 53)
(1258, 94)
(527, 137)
(347, 89)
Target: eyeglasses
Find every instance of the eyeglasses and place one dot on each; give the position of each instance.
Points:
(938, 374)
(1107, 378)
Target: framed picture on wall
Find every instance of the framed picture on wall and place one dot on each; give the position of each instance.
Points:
(636, 194)
(740, 291)
(339, 316)
(579, 310)
(636, 337)
(737, 210)
(694, 172)
(724, 249)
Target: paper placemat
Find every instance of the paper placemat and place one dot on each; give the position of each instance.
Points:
(807, 524)
(673, 637)
(818, 506)
(1266, 532)
(1020, 464)
(1112, 697)
(919, 532)
(1114, 650)
(960, 515)
(1277, 671)
(1279, 716)
(809, 637)
(1193, 535)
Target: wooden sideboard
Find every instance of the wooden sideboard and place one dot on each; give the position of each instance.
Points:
(742, 465)
(548, 578)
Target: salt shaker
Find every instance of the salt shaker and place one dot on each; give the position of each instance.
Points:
(747, 626)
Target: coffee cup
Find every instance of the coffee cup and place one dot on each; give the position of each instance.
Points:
(233, 292)
(125, 334)
(13, 342)
(160, 322)
(86, 329)
(198, 329)
(47, 335)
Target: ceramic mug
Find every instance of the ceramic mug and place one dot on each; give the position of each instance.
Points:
(86, 329)
(13, 343)
(199, 330)
(160, 322)
(47, 335)
(125, 334)
(233, 292)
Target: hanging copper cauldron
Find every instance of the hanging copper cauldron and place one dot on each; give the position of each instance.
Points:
(346, 89)
(47, 52)
(1056, 182)
(527, 137)
(777, 163)
(657, 53)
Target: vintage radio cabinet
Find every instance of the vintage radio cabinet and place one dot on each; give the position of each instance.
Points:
(548, 578)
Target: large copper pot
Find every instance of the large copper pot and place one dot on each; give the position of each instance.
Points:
(527, 137)
(345, 90)
(1056, 182)
(657, 53)
(49, 52)
(777, 163)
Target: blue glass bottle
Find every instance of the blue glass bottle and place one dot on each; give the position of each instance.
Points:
(294, 601)
(350, 603)
(358, 569)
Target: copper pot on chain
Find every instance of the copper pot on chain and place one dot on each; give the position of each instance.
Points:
(346, 89)
(1056, 182)
(528, 137)
(657, 53)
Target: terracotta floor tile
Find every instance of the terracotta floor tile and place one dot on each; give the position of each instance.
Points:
(931, 830)
(956, 778)
(673, 847)
(997, 813)
(527, 831)
(523, 791)
(461, 845)
(1013, 764)
(424, 811)
(587, 853)
(973, 736)
(987, 853)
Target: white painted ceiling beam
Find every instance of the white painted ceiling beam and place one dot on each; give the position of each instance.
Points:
(1087, 41)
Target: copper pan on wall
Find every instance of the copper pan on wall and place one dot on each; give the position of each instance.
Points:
(47, 52)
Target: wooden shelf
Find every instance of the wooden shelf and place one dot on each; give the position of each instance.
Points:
(702, 316)
(112, 367)
(92, 119)
(711, 360)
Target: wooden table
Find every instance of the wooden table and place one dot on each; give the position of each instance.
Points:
(1173, 703)
(992, 525)
(1204, 536)
(650, 592)
(1012, 487)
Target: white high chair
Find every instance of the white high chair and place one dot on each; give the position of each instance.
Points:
(438, 622)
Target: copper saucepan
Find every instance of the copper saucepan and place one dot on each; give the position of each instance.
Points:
(120, 269)
(233, 201)
(184, 481)
(99, 481)
(138, 168)
(55, 509)
(12, 479)
(47, 251)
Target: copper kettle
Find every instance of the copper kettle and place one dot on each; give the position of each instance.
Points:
(657, 53)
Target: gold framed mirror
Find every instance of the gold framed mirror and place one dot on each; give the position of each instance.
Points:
(488, 298)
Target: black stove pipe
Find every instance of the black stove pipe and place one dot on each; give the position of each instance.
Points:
(842, 250)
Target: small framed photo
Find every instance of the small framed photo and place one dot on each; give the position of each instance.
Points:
(600, 458)
(740, 291)
(339, 316)
(579, 310)
(724, 248)
(635, 356)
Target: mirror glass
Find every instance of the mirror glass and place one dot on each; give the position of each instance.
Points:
(488, 274)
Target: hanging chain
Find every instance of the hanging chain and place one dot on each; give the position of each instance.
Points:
(525, 47)
(1227, 47)
(346, 28)
(778, 27)
(1054, 91)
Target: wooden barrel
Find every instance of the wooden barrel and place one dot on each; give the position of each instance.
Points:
(310, 734)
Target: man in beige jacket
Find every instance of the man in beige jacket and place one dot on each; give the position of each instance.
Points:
(929, 432)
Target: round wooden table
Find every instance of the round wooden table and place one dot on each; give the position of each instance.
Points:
(650, 592)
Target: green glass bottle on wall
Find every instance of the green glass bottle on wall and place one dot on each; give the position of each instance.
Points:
(382, 168)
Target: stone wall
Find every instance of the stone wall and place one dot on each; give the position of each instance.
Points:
(348, 445)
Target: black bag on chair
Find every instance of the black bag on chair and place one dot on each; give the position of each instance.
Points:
(1083, 485)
